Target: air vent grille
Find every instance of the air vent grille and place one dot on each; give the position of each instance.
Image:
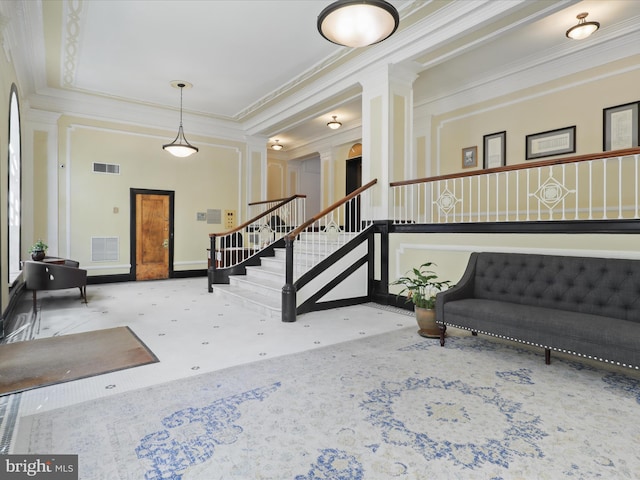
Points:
(105, 249)
(109, 168)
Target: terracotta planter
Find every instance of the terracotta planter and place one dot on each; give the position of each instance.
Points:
(426, 319)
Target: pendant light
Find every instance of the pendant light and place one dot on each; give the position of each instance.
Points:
(180, 147)
(583, 29)
(277, 146)
(358, 23)
(334, 124)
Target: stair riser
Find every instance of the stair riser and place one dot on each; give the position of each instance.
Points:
(248, 304)
(254, 287)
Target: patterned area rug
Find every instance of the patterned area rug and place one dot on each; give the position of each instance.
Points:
(390, 406)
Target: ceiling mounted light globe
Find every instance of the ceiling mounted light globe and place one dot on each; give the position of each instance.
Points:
(358, 23)
(334, 124)
(277, 145)
(583, 29)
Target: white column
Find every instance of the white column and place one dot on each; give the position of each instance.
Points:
(255, 173)
(387, 131)
(327, 169)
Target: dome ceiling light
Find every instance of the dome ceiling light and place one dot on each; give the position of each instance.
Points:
(583, 29)
(180, 147)
(334, 124)
(358, 23)
(277, 145)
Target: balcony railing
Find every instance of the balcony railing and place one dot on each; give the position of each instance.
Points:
(601, 186)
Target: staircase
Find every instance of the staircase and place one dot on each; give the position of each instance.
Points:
(260, 289)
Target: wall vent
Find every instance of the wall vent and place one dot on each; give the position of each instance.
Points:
(105, 249)
(110, 168)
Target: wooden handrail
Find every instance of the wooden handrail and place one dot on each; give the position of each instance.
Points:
(277, 200)
(291, 236)
(258, 217)
(522, 166)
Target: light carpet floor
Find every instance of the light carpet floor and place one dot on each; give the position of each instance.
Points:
(392, 405)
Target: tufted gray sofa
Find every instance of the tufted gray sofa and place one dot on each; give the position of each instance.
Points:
(581, 305)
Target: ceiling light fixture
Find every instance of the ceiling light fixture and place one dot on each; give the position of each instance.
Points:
(277, 145)
(180, 147)
(358, 23)
(334, 124)
(583, 29)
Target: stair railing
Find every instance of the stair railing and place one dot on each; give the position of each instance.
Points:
(320, 236)
(280, 216)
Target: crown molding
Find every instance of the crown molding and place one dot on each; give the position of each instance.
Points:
(448, 22)
(575, 57)
(109, 109)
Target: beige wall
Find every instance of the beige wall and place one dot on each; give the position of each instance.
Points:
(276, 179)
(93, 204)
(450, 252)
(575, 100)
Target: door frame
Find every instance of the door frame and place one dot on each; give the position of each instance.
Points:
(133, 192)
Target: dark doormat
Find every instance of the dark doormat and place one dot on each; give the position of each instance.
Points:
(47, 361)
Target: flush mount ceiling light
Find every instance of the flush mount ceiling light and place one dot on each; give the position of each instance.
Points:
(358, 23)
(277, 145)
(180, 147)
(334, 124)
(583, 29)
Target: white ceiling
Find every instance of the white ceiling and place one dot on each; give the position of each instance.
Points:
(250, 59)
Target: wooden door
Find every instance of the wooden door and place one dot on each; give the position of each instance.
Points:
(153, 236)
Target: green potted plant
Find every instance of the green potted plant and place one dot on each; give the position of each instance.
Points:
(38, 250)
(421, 286)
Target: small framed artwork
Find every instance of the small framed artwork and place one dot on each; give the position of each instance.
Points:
(550, 143)
(470, 157)
(494, 150)
(621, 128)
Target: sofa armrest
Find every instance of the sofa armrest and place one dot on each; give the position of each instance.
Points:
(463, 289)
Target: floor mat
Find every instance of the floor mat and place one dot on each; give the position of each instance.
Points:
(47, 361)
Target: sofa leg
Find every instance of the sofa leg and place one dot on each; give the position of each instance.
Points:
(83, 293)
(443, 329)
(34, 301)
(547, 356)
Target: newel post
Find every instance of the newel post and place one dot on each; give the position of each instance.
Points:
(289, 290)
(211, 271)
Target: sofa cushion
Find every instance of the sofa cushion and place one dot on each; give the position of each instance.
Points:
(600, 337)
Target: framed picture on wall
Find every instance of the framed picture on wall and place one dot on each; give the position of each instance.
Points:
(550, 143)
(470, 157)
(494, 148)
(621, 128)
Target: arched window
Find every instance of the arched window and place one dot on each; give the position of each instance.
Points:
(14, 194)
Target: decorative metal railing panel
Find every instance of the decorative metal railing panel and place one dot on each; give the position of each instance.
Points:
(274, 220)
(593, 187)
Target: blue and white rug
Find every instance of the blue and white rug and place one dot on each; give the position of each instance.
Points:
(390, 406)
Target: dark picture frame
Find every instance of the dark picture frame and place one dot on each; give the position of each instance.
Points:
(494, 150)
(470, 157)
(620, 126)
(551, 142)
